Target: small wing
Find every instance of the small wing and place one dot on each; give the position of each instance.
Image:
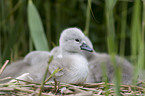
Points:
(37, 57)
(56, 63)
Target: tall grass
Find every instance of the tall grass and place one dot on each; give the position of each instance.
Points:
(9, 28)
(86, 31)
(47, 7)
(123, 28)
(136, 40)
(1, 15)
(55, 16)
(143, 35)
(111, 41)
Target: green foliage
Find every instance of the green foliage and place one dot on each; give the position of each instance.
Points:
(110, 26)
(88, 18)
(36, 28)
(11, 29)
(111, 41)
(123, 28)
(137, 44)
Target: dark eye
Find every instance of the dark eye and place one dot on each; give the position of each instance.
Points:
(77, 40)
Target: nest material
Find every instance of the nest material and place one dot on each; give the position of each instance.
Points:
(25, 88)
(53, 88)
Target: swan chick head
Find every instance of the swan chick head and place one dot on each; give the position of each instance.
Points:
(72, 40)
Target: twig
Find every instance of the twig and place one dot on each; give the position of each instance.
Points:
(74, 89)
(7, 78)
(27, 82)
(3, 67)
(10, 89)
(6, 89)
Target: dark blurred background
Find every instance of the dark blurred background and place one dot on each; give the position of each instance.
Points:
(56, 15)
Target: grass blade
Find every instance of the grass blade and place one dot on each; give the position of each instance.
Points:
(88, 18)
(123, 27)
(136, 42)
(3, 67)
(111, 41)
(36, 28)
(143, 33)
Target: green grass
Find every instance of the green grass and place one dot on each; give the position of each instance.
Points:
(36, 28)
(88, 11)
(136, 40)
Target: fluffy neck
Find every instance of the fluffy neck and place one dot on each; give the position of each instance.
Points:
(67, 53)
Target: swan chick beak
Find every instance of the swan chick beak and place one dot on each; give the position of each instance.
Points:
(85, 47)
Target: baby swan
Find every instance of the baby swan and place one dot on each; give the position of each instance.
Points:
(72, 60)
(96, 71)
(36, 57)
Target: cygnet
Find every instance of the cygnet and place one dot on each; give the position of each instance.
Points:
(56, 52)
(37, 57)
(73, 61)
(96, 60)
(30, 64)
(95, 66)
(74, 64)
